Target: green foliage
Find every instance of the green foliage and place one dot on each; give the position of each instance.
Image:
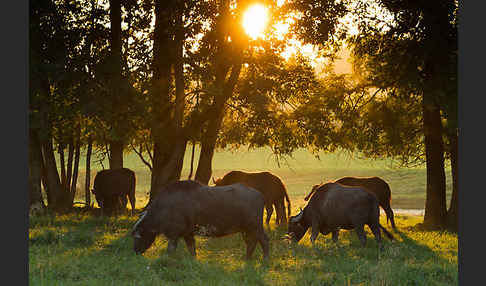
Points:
(316, 21)
(261, 112)
(80, 249)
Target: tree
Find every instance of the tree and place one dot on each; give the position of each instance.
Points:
(419, 29)
(405, 55)
(117, 108)
(225, 62)
(35, 196)
(51, 40)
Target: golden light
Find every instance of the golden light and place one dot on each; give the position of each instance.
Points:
(254, 20)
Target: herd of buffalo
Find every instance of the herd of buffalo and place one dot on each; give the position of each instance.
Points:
(236, 203)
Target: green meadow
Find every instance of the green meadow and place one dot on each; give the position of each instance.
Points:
(81, 248)
(299, 173)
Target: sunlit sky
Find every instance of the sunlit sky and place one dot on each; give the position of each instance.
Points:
(256, 18)
(255, 22)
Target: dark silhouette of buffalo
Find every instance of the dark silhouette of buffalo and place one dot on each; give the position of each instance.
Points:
(112, 187)
(334, 206)
(188, 208)
(375, 185)
(272, 188)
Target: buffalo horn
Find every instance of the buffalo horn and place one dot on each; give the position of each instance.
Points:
(138, 222)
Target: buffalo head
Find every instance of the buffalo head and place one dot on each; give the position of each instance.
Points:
(142, 237)
(296, 227)
(98, 198)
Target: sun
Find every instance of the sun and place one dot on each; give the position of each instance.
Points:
(254, 20)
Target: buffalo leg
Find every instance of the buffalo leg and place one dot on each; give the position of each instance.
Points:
(361, 234)
(376, 232)
(251, 242)
(278, 215)
(269, 208)
(315, 231)
(264, 243)
(132, 202)
(123, 203)
(191, 244)
(335, 235)
(280, 210)
(172, 245)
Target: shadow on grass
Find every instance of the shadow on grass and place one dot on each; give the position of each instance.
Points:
(404, 261)
(99, 251)
(74, 230)
(181, 268)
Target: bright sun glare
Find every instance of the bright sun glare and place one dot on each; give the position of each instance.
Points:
(254, 20)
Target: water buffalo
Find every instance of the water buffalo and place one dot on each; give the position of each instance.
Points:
(375, 185)
(269, 185)
(334, 206)
(188, 208)
(111, 188)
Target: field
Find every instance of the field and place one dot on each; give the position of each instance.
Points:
(299, 173)
(85, 249)
(81, 249)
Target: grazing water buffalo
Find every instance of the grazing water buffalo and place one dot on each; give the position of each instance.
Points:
(375, 185)
(272, 188)
(111, 188)
(334, 206)
(188, 208)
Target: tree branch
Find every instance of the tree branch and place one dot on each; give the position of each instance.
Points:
(140, 155)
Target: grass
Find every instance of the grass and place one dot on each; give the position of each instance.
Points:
(82, 249)
(299, 173)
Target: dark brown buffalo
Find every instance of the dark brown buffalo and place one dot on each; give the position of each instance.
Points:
(272, 188)
(334, 206)
(112, 187)
(188, 208)
(375, 185)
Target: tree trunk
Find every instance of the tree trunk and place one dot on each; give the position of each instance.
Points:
(204, 166)
(192, 160)
(452, 219)
(35, 195)
(435, 204)
(69, 171)
(208, 143)
(56, 195)
(87, 182)
(43, 171)
(116, 145)
(116, 155)
(76, 165)
(169, 170)
(167, 139)
(62, 163)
